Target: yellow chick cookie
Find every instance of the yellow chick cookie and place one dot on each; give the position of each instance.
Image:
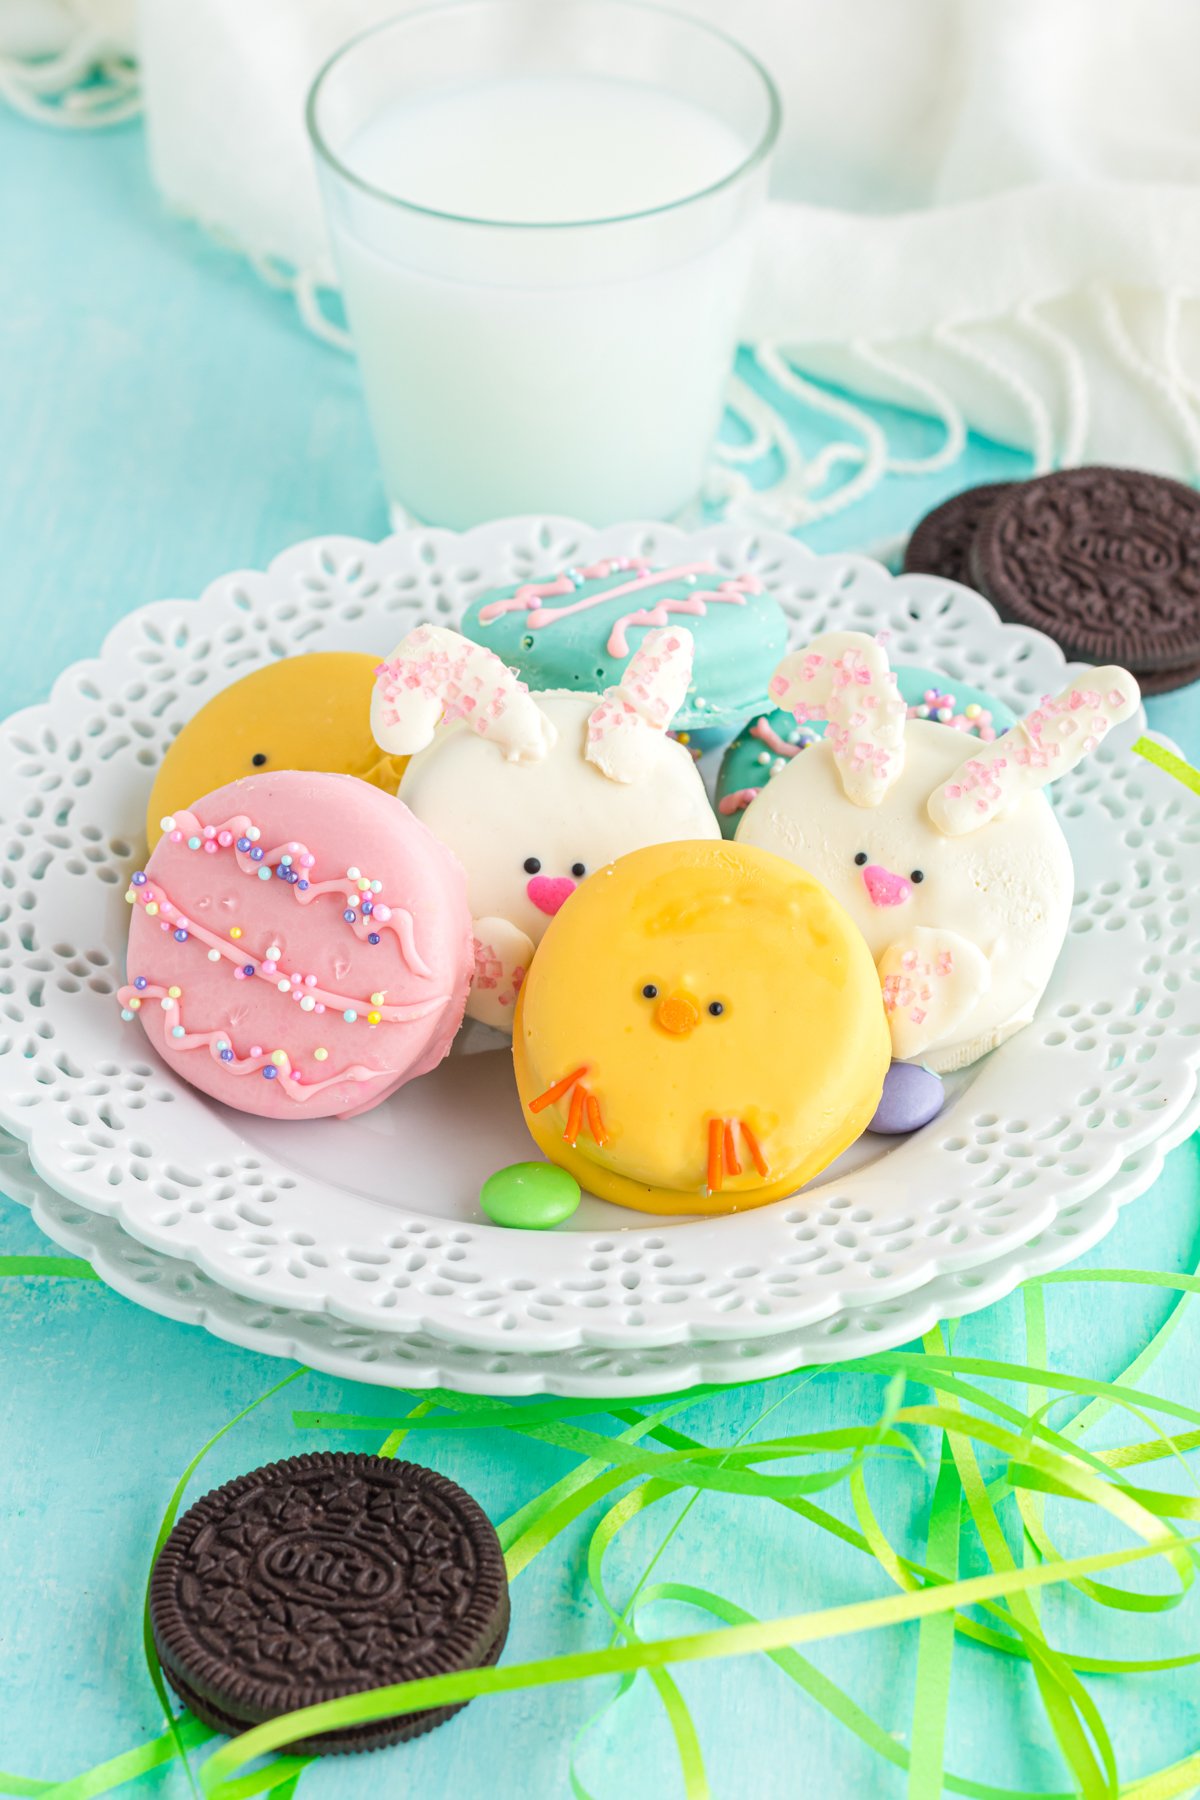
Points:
(303, 712)
(701, 1031)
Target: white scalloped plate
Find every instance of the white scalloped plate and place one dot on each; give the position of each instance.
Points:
(175, 1289)
(373, 1220)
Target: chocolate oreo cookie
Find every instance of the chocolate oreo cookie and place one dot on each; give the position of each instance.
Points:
(941, 542)
(1165, 681)
(1105, 561)
(324, 1576)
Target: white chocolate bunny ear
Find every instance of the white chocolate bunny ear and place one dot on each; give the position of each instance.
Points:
(1055, 736)
(630, 717)
(434, 675)
(843, 676)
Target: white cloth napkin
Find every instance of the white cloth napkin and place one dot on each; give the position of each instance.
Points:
(981, 208)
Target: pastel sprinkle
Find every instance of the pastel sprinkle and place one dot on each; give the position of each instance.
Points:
(243, 844)
(253, 833)
(374, 938)
(140, 982)
(181, 937)
(284, 986)
(274, 953)
(377, 999)
(373, 1018)
(270, 1072)
(138, 879)
(193, 843)
(152, 909)
(349, 916)
(353, 874)
(307, 1003)
(174, 992)
(177, 1031)
(214, 956)
(166, 823)
(125, 1013)
(235, 931)
(350, 1015)
(279, 1058)
(320, 1055)
(226, 1055)
(264, 874)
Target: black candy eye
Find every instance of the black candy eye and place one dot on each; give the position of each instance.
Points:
(716, 1008)
(860, 859)
(579, 870)
(531, 865)
(917, 875)
(259, 758)
(649, 992)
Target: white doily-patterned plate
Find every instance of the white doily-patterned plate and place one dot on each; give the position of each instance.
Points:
(375, 1220)
(177, 1290)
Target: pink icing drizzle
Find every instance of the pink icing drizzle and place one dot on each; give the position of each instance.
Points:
(291, 1084)
(733, 591)
(267, 971)
(765, 732)
(384, 918)
(738, 802)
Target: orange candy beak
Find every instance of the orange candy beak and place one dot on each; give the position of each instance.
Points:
(677, 1014)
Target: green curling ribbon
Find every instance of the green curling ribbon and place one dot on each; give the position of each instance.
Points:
(72, 1266)
(989, 1466)
(1165, 759)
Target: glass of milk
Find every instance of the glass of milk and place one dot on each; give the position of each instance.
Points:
(542, 212)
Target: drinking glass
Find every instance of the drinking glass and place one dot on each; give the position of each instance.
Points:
(542, 212)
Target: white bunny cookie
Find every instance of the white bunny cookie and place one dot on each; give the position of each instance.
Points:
(954, 867)
(531, 792)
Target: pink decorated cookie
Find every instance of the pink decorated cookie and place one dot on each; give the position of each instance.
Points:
(300, 946)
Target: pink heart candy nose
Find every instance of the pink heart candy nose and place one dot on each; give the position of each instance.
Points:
(548, 893)
(884, 888)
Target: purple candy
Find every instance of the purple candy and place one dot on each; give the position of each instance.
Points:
(911, 1097)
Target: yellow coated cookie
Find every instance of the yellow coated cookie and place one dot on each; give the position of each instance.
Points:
(304, 712)
(701, 1031)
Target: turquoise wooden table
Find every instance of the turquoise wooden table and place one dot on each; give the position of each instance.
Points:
(163, 418)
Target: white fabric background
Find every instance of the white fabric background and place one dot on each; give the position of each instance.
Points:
(985, 205)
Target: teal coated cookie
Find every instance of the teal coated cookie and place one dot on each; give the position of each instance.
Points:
(530, 1196)
(566, 633)
(767, 744)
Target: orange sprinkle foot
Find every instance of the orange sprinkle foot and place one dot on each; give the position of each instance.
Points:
(575, 1116)
(558, 1090)
(752, 1145)
(716, 1146)
(732, 1164)
(595, 1121)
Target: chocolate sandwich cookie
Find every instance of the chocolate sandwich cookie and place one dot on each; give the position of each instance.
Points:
(1105, 561)
(323, 1576)
(1165, 681)
(941, 542)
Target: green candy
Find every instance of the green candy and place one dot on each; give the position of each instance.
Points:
(531, 1195)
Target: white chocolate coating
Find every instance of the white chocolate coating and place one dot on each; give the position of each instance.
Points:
(561, 809)
(983, 927)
